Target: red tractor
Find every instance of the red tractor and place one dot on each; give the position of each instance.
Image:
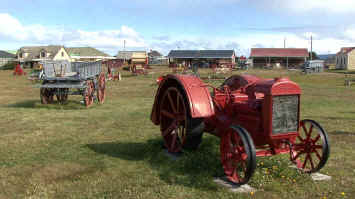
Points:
(252, 116)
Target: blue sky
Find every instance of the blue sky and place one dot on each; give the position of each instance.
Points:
(178, 24)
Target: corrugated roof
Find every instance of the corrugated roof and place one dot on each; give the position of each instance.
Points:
(201, 53)
(279, 52)
(85, 52)
(127, 54)
(4, 54)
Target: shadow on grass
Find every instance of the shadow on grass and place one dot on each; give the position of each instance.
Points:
(35, 104)
(191, 169)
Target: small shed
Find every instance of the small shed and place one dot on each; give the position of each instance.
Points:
(314, 66)
(274, 57)
(6, 58)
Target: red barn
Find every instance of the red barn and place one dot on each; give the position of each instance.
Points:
(279, 57)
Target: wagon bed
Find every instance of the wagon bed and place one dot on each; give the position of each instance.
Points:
(63, 78)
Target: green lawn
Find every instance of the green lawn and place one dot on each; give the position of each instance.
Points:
(114, 151)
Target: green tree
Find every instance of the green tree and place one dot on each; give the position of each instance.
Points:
(314, 55)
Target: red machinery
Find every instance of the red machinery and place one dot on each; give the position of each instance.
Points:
(252, 116)
(18, 70)
(112, 69)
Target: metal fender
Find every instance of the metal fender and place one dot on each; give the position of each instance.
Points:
(195, 92)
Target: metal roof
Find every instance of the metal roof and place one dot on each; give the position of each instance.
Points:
(201, 54)
(279, 52)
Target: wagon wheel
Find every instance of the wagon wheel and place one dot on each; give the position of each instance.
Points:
(134, 70)
(311, 149)
(89, 94)
(62, 97)
(238, 155)
(101, 94)
(46, 95)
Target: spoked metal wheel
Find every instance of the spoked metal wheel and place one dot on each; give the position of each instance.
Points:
(238, 155)
(46, 95)
(89, 94)
(62, 95)
(173, 120)
(101, 94)
(310, 151)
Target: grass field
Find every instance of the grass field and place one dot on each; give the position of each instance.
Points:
(114, 151)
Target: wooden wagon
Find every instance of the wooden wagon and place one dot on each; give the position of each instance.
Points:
(63, 78)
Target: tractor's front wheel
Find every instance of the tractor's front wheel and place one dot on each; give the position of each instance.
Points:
(311, 149)
(237, 155)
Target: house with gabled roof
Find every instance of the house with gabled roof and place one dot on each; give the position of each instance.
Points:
(87, 54)
(345, 58)
(286, 57)
(30, 55)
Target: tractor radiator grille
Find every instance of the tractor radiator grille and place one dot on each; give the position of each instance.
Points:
(285, 114)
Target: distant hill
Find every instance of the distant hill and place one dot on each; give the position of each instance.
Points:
(326, 56)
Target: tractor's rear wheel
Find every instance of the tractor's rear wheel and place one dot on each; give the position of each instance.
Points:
(89, 94)
(46, 95)
(101, 94)
(238, 155)
(311, 149)
(178, 129)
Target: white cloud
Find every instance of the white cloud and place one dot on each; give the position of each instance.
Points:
(242, 44)
(109, 40)
(335, 6)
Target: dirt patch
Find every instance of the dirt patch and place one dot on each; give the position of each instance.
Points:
(62, 171)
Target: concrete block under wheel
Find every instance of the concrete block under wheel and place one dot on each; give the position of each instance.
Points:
(233, 187)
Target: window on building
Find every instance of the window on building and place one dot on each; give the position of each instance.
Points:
(62, 54)
(43, 54)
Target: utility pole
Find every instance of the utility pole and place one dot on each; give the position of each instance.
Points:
(311, 48)
(285, 42)
(124, 51)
